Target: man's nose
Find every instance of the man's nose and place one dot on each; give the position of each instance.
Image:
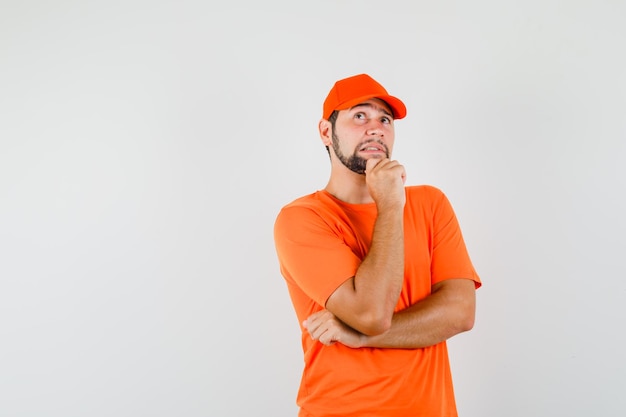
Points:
(375, 127)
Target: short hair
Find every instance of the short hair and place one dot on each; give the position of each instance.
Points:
(332, 119)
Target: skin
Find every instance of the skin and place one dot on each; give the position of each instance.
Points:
(360, 313)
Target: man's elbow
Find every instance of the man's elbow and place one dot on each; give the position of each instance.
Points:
(374, 325)
(465, 320)
(467, 323)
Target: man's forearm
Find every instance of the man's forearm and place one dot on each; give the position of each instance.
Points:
(381, 274)
(366, 301)
(449, 310)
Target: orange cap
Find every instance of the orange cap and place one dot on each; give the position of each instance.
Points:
(353, 90)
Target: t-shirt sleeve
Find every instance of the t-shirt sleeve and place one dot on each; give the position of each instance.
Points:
(311, 252)
(450, 258)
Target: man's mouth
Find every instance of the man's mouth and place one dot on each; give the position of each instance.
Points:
(373, 147)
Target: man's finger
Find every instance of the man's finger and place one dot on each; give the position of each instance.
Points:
(371, 163)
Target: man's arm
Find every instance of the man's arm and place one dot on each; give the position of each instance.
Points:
(366, 301)
(447, 311)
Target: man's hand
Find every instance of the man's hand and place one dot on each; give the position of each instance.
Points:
(328, 329)
(385, 182)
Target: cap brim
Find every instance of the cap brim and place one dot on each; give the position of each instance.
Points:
(397, 106)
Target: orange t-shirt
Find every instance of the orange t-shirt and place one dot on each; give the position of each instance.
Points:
(320, 242)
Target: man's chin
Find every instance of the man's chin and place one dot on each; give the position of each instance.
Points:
(360, 169)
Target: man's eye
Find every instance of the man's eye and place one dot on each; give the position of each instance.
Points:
(386, 120)
(360, 116)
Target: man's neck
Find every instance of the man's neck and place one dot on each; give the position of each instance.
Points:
(349, 187)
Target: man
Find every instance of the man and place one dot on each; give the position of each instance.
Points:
(378, 273)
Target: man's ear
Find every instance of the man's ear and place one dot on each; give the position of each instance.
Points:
(326, 134)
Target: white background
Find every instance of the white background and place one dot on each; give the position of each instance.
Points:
(147, 146)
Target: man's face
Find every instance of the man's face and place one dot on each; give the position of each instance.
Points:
(363, 132)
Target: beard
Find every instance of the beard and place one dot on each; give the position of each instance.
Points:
(354, 162)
